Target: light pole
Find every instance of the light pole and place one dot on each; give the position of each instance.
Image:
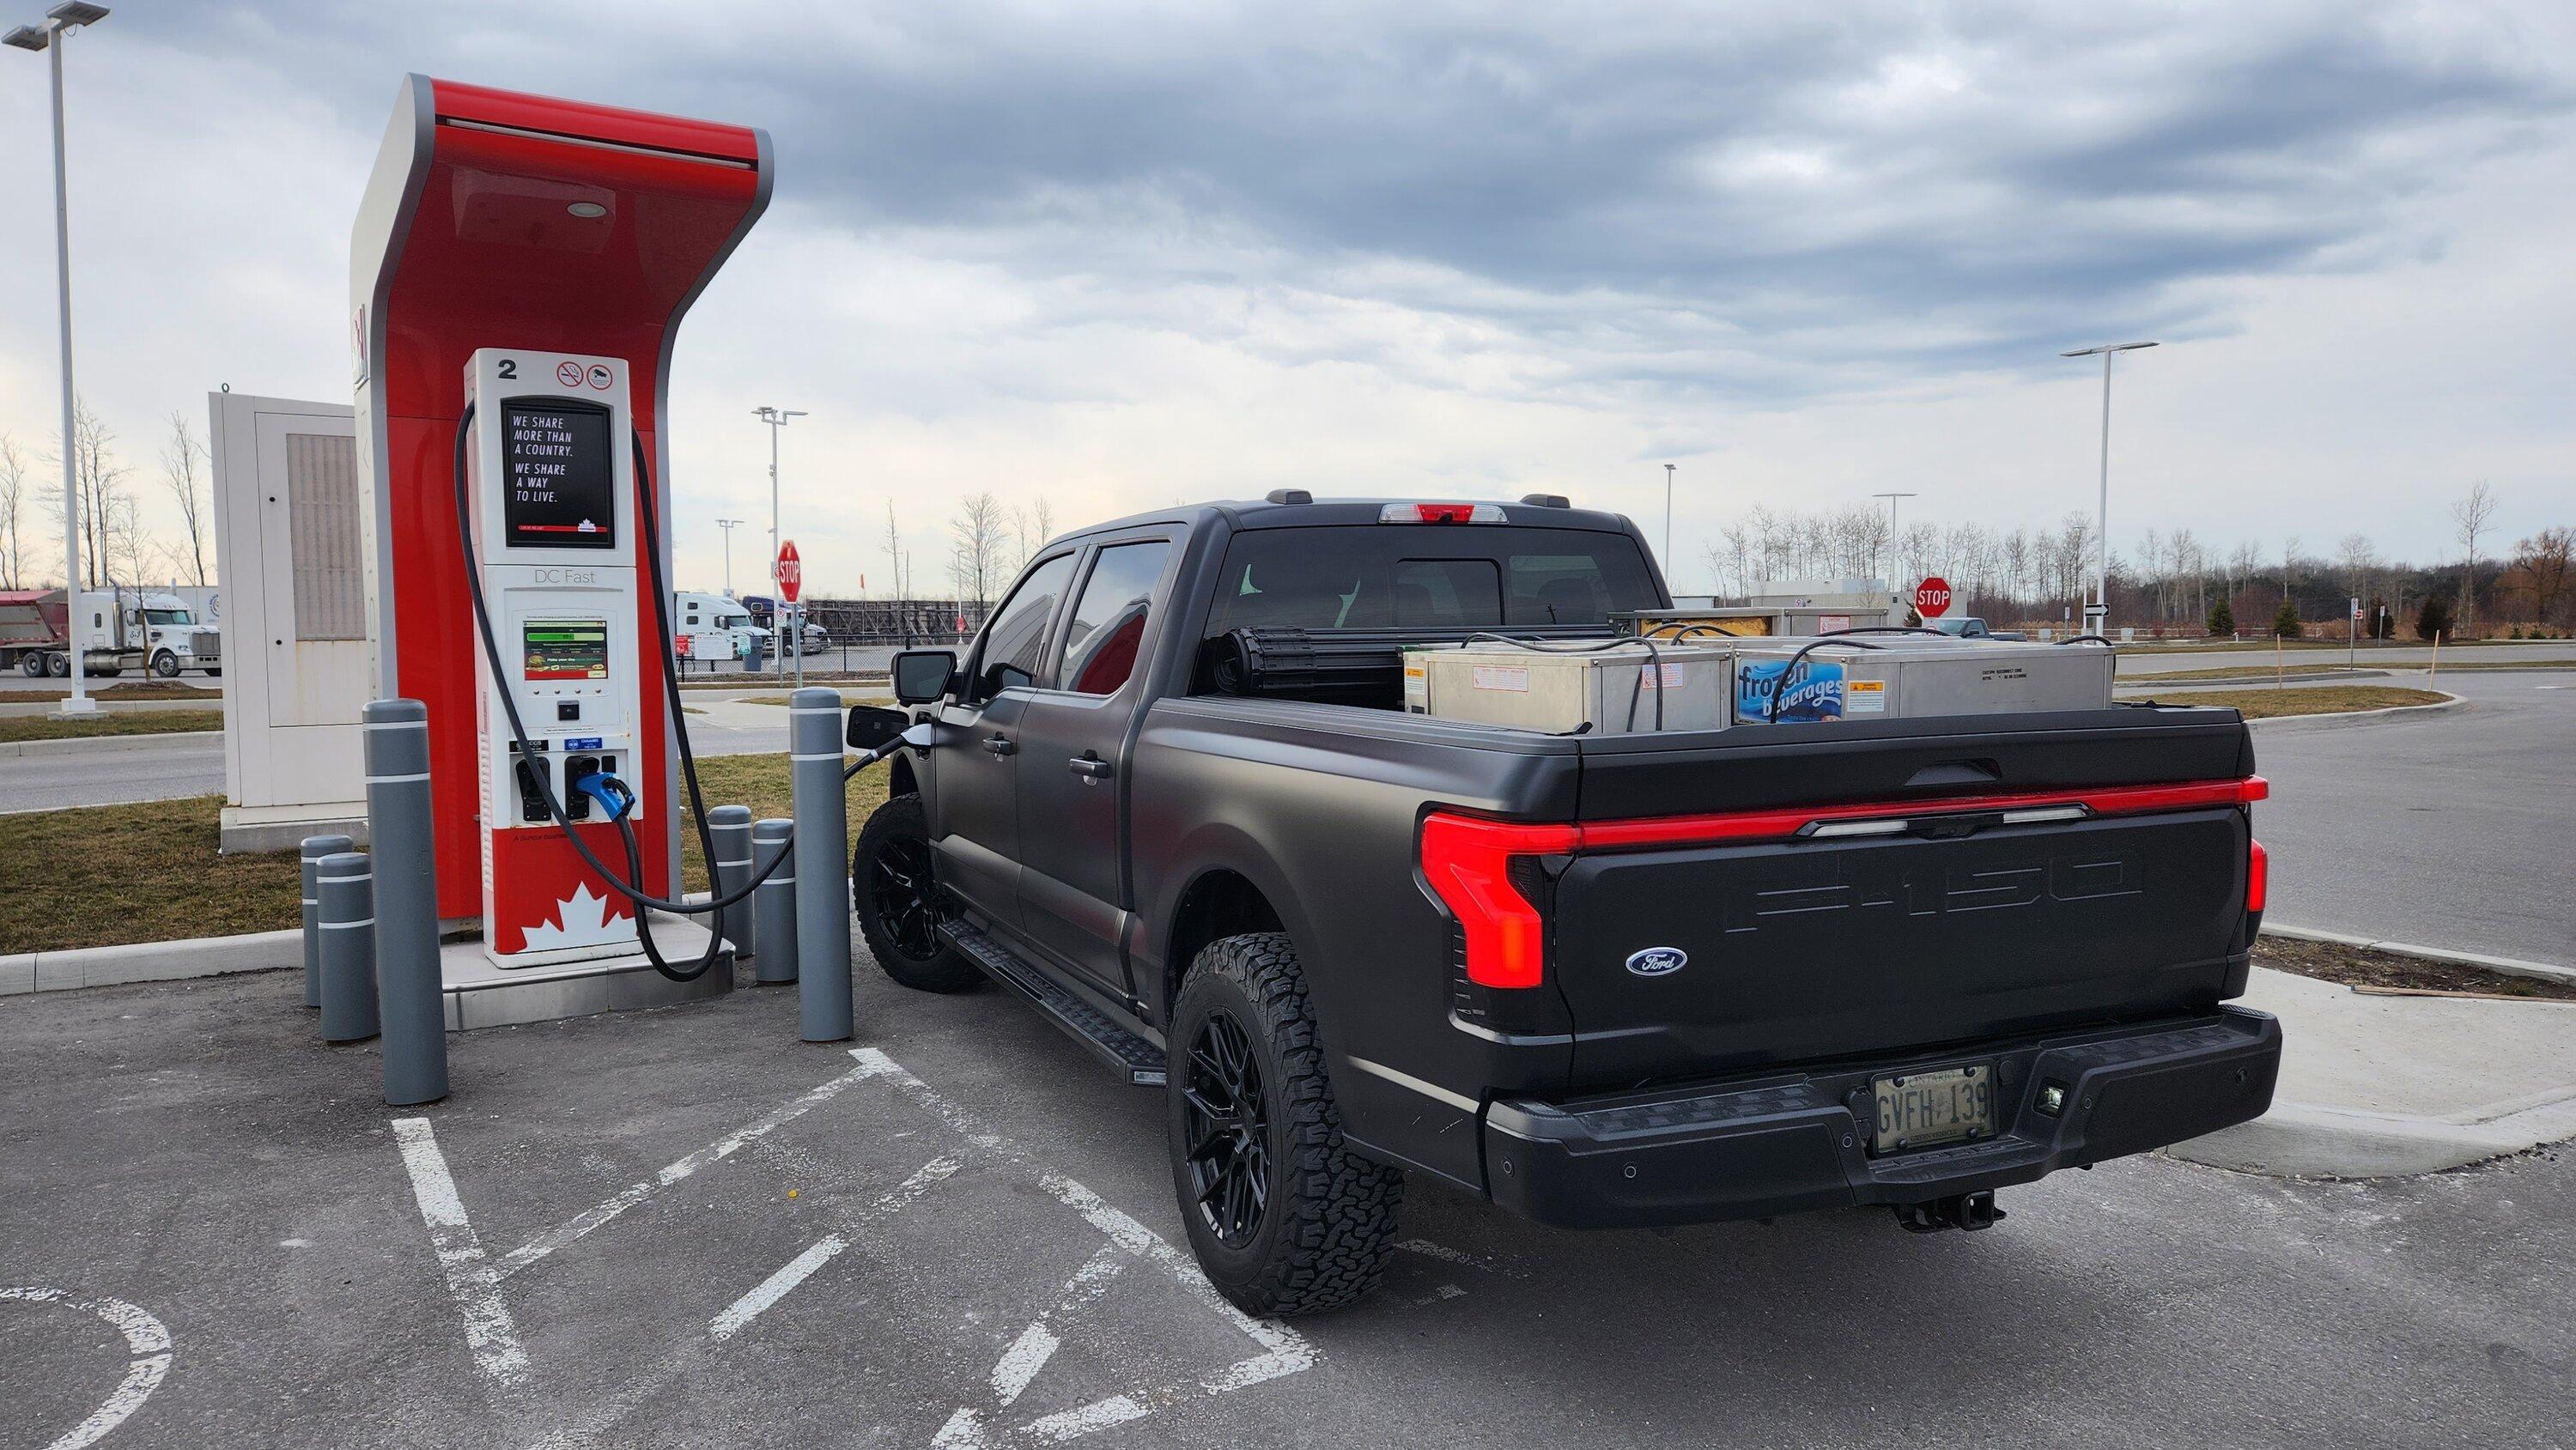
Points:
(1668, 517)
(61, 21)
(2097, 620)
(728, 526)
(776, 418)
(1891, 536)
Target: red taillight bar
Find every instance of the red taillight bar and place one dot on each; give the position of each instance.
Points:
(2258, 876)
(1466, 857)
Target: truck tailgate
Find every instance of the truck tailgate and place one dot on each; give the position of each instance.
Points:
(1897, 890)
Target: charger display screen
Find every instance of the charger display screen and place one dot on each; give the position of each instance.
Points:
(564, 649)
(558, 476)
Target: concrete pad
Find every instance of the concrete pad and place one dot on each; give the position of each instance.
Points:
(17, 974)
(2381, 1086)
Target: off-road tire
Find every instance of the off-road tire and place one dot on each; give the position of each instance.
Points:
(1330, 1222)
(901, 820)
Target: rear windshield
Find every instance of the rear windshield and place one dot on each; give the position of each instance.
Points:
(1427, 576)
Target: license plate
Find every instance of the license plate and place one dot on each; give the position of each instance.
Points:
(1920, 1109)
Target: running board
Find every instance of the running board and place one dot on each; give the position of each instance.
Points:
(1140, 1061)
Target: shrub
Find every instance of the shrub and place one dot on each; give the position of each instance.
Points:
(2434, 618)
(2222, 620)
(2286, 623)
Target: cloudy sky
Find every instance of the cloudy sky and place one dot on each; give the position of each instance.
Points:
(1115, 255)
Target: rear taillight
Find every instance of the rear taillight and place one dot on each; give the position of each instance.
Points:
(1441, 513)
(2258, 876)
(1468, 863)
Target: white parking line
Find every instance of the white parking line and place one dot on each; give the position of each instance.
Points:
(489, 1335)
(825, 1249)
(147, 1339)
(588, 1219)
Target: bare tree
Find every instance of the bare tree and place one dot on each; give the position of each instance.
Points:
(179, 457)
(2471, 514)
(99, 486)
(976, 541)
(2358, 558)
(13, 509)
(2289, 564)
(898, 563)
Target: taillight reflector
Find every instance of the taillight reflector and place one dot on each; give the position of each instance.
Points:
(2258, 876)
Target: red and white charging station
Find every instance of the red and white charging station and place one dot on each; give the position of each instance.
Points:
(533, 258)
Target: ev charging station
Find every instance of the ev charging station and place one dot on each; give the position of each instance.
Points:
(552, 518)
(519, 270)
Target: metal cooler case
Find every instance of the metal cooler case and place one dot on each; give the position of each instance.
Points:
(1918, 675)
(1560, 688)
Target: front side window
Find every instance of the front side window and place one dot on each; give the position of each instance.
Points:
(1015, 640)
(1108, 625)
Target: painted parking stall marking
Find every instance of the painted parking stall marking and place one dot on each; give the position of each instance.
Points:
(988, 1414)
(147, 1339)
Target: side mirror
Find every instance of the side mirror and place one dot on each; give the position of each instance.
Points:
(872, 726)
(922, 675)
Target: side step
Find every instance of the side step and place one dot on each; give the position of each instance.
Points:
(1140, 1061)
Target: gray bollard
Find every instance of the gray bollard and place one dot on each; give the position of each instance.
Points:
(315, 848)
(348, 929)
(814, 736)
(406, 901)
(774, 903)
(731, 827)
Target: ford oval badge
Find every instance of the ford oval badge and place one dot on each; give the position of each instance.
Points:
(1658, 961)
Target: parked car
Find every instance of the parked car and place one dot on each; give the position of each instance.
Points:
(1969, 626)
(1595, 979)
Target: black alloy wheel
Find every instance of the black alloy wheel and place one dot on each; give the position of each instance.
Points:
(1228, 1130)
(900, 889)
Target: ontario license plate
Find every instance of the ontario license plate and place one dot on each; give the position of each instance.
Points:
(1949, 1105)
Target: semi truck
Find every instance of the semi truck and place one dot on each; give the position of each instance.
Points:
(1600, 977)
(119, 630)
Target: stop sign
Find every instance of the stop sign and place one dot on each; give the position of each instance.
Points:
(1932, 597)
(791, 572)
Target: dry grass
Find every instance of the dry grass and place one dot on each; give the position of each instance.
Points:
(2296, 700)
(108, 875)
(140, 722)
(129, 690)
(2362, 967)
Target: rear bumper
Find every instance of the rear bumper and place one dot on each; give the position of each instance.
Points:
(1790, 1141)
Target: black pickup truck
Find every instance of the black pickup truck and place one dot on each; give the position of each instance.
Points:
(1600, 979)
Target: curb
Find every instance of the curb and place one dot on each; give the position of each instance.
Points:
(159, 961)
(151, 961)
(2308, 1140)
(2185, 680)
(2447, 702)
(2510, 966)
(102, 744)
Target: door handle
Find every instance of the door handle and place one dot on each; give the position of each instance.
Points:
(1000, 745)
(1091, 767)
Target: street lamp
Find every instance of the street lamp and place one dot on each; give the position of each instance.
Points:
(776, 418)
(60, 22)
(728, 526)
(1891, 533)
(2097, 620)
(1668, 517)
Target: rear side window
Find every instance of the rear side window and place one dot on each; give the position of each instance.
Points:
(1439, 576)
(1108, 624)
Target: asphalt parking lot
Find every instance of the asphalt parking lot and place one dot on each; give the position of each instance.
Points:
(684, 1227)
